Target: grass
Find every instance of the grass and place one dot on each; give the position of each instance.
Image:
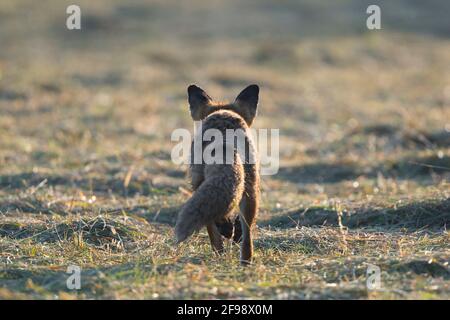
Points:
(86, 176)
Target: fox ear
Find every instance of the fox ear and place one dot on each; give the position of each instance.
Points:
(198, 101)
(247, 103)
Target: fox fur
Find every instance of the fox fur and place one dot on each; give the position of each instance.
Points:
(219, 189)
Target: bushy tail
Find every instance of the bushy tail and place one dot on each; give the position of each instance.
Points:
(217, 196)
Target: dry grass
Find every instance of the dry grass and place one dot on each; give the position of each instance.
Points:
(85, 170)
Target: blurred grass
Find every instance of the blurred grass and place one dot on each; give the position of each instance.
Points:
(85, 170)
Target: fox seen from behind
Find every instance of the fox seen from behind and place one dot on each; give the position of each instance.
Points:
(220, 188)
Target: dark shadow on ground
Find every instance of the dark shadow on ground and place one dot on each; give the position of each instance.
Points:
(167, 215)
(100, 184)
(10, 95)
(417, 167)
(306, 245)
(153, 214)
(389, 138)
(99, 232)
(395, 136)
(96, 282)
(33, 205)
(423, 267)
(408, 168)
(410, 217)
(319, 173)
(51, 281)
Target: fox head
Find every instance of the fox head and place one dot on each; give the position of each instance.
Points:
(201, 105)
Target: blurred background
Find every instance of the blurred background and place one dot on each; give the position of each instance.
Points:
(357, 101)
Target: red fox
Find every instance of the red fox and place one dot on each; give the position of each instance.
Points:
(220, 188)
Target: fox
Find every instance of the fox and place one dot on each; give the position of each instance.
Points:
(219, 189)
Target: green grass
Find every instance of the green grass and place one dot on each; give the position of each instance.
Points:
(85, 171)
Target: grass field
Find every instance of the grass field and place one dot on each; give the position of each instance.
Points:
(86, 176)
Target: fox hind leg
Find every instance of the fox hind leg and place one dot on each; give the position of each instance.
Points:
(225, 227)
(215, 238)
(249, 208)
(231, 229)
(237, 230)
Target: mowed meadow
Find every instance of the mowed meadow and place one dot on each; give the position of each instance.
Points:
(86, 176)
